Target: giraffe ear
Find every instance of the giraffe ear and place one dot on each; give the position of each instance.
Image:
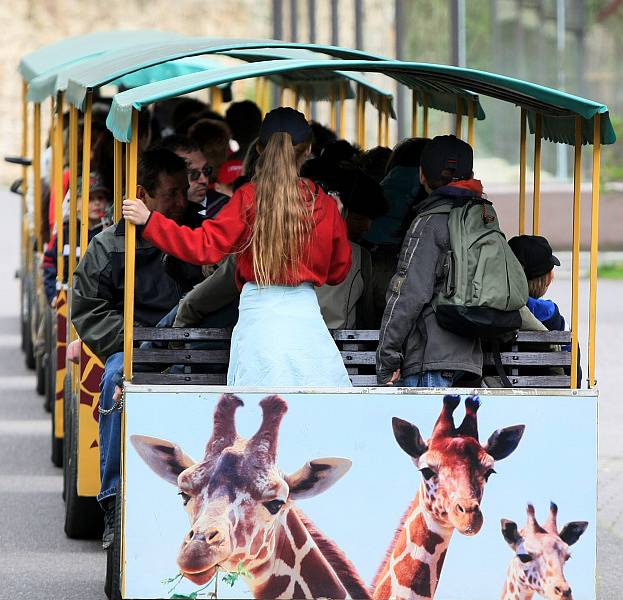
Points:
(510, 532)
(408, 437)
(316, 476)
(164, 458)
(503, 442)
(571, 532)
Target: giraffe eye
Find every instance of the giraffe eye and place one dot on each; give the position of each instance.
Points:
(185, 497)
(427, 473)
(489, 473)
(525, 558)
(274, 506)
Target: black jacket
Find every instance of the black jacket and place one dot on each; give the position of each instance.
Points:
(97, 298)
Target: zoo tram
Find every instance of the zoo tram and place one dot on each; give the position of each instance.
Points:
(81, 68)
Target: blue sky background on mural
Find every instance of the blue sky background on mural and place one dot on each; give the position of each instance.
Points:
(554, 461)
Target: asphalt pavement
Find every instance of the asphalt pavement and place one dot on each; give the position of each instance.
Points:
(37, 560)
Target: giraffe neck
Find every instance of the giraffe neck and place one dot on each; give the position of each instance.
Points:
(515, 586)
(415, 558)
(294, 567)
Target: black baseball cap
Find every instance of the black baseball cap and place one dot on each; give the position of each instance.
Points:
(286, 120)
(534, 253)
(447, 153)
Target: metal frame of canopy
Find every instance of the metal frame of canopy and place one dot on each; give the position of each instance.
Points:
(551, 113)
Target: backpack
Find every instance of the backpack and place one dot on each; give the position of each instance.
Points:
(485, 285)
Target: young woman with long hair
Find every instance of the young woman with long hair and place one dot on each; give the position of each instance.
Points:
(288, 236)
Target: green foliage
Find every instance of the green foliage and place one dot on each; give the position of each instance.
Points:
(231, 577)
(611, 270)
(612, 156)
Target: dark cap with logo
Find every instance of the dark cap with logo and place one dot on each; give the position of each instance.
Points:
(447, 153)
(285, 120)
(534, 253)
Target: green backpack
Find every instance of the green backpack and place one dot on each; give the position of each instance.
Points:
(485, 283)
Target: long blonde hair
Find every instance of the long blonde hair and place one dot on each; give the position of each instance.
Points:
(283, 211)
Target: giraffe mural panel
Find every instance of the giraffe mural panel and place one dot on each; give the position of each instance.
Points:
(384, 487)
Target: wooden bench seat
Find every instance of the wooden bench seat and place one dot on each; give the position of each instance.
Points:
(526, 361)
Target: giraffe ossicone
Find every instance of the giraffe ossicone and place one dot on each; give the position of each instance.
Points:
(454, 467)
(241, 509)
(541, 552)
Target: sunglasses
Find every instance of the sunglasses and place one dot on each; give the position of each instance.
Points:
(194, 174)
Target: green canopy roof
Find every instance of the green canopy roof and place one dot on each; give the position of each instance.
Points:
(318, 84)
(75, 49)
(558, 109)
(117, 64)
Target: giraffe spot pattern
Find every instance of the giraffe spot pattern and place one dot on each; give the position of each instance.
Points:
(421, 536)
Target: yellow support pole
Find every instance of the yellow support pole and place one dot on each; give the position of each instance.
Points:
(36, 163)
(58, 189)
(118, 180)
(216, 99)
(386, 102)
(282, 96)
(536, 194)
(414, 113)
(73, 209)
(458, 126)
(361, 120)
(127, 171)
(86, 172)
(308, 103)
(592, 303)
(575, 265)
(24, 140)
(342, 111)
(470, 122)
(73, 189)
(333, 110)
(379, 127)
(522, 174)
(425, 117)
(130, 256)
(297, 97)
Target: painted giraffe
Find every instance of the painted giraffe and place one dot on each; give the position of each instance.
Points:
(241, 509)
(540, 556)
(454, 467)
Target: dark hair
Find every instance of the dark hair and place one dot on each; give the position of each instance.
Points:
(358, 192)
(321, 137)
(339, 151)
(406, 153)
(373, 162)
(103, 158)
(244, 120)
(184, 108)
(154, 161)
(213, 138)
(179, 143)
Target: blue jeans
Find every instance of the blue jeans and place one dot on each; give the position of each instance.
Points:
(110, 428)
(432, 379)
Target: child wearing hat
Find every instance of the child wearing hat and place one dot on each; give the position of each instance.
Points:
(535, 255)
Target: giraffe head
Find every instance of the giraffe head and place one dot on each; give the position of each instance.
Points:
(235, 497)
(454, 465)
(541, 553)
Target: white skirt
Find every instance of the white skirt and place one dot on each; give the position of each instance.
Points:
(281, 340)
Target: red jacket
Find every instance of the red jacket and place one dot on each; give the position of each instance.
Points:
(326, 260)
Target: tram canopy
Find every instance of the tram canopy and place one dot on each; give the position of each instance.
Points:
(437, 84)
(75, 49)
(117, 64)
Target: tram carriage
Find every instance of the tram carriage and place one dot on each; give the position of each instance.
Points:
(165, 416)
(76, 389)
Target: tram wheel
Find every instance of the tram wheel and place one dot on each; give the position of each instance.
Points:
(112, 586)
(84, 519)
(50, 363)
(40, 371)
(57, 443)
